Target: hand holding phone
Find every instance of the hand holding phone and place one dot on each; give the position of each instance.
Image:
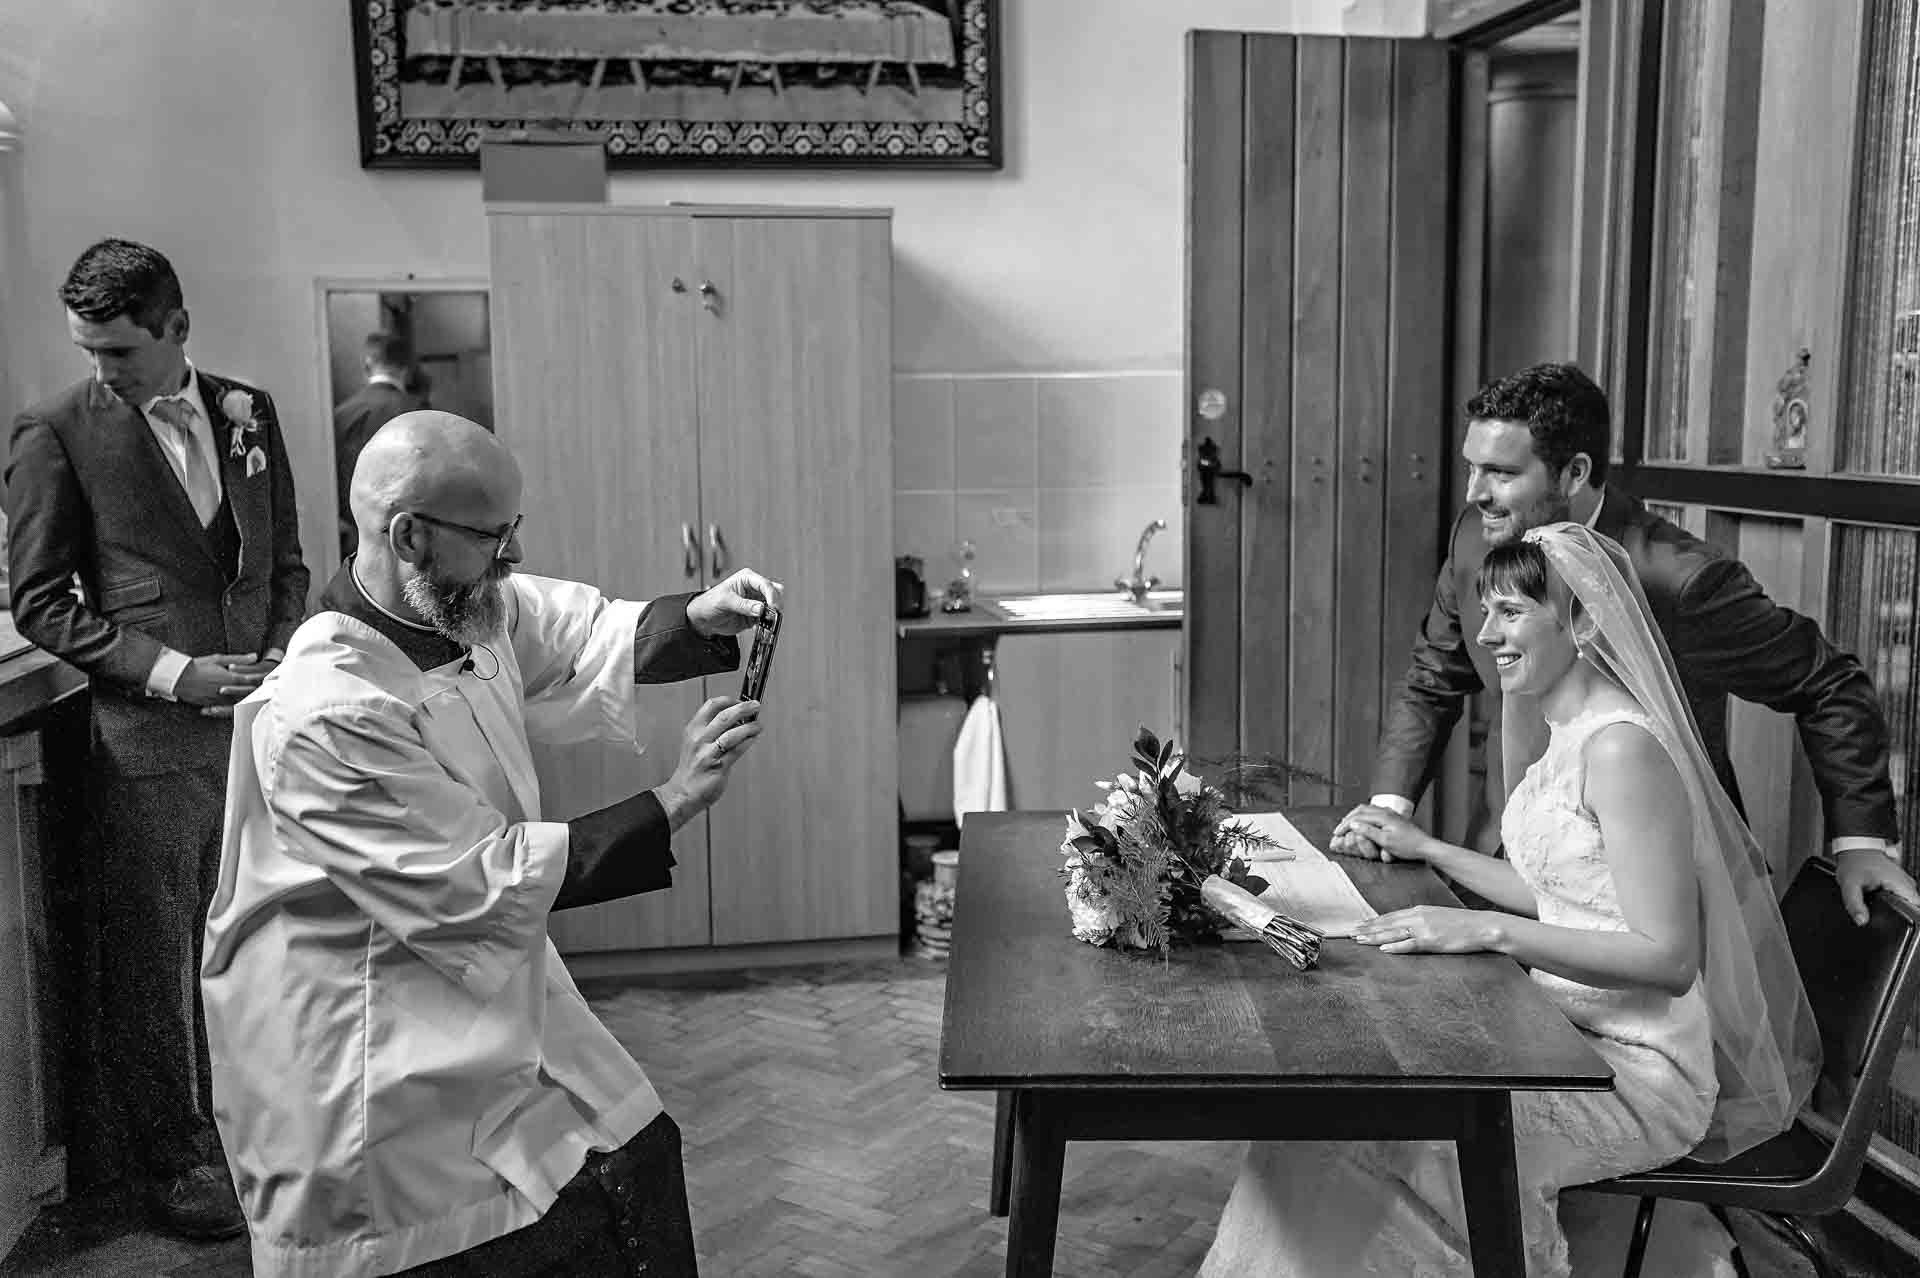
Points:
(766, 633)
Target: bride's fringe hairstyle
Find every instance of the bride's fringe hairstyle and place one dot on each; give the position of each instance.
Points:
(1518, 570)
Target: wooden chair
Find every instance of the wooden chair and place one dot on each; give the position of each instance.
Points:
(1862, 981)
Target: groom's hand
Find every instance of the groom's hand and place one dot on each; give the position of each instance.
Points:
(1349, 839)
(1865, 870)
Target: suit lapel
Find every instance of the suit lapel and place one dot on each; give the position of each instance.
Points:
(127, 435)
(246, 495)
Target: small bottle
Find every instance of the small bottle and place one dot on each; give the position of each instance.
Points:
(959, 597)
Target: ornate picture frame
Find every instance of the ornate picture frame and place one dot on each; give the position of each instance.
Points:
(683, 83)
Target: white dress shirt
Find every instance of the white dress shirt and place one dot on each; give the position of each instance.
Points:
(164, 678)
(169, 438)
(171, 664)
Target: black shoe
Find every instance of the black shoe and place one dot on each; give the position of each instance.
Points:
(198, 1204)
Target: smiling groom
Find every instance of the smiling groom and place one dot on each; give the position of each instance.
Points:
(165, 491)
(1536, 451)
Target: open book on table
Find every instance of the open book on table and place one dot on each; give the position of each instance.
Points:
(1304, 883)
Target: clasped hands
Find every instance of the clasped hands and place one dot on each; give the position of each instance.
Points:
(217, 681)
(1374, 833)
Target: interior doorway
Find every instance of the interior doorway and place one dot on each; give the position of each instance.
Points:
(1532, 111)
(1521, 113)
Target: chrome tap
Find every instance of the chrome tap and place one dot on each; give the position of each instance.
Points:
(1137, 586)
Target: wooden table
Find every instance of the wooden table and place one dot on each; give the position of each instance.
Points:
(1229, 1042)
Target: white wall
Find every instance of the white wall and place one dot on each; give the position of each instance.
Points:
(223, 132)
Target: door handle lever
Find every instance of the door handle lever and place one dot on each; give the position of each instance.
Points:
(1207, 466)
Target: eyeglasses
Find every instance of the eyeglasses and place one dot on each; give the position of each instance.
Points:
(502, 537)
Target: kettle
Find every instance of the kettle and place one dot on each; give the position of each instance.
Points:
(909, 586)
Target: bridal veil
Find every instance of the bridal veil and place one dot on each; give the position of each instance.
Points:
(1766, 1044)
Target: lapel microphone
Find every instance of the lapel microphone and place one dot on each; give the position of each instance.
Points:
(468, 666)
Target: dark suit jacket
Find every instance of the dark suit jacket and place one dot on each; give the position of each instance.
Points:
(90, 493)
(1726, 637)
(354, 423)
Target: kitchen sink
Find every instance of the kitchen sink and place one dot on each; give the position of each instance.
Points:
(1103, 606)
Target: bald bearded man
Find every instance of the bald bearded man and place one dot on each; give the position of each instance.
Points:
(405, 1077)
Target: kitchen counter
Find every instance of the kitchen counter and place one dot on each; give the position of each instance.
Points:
(987, 621)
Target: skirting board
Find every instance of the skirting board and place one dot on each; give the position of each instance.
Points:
(615, 964)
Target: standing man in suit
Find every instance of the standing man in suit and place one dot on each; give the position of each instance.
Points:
(389, 364)
(1536, 450)
(165, 490)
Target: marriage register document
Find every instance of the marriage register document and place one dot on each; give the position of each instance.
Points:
(1304, 883)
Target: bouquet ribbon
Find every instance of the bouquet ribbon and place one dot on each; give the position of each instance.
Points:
(1290, 939)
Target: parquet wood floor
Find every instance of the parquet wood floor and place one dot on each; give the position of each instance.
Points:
(819, 1145)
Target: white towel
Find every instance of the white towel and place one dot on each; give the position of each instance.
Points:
(979, 762)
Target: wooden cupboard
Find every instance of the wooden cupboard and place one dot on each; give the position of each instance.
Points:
(691, 390)
(1071, 705)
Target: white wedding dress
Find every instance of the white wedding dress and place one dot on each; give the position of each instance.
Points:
(1393, 1209)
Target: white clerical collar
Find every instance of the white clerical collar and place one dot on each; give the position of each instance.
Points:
(353, 571)
(1593, 516)
(385, 379)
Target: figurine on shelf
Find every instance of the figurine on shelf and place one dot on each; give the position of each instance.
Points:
(1790, 416)
(959, 596)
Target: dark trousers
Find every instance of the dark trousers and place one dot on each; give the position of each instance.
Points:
(623, 1215)
(159, 857)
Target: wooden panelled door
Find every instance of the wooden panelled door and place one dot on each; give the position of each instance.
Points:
(1319, 182)
(597, 402)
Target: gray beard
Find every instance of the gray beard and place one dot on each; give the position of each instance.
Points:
(467, 615)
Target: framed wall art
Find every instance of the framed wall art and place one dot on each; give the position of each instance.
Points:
(712, 83)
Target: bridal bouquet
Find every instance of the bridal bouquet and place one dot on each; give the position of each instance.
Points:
(1160, 861)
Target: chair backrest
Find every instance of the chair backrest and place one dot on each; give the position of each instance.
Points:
(1862, 981)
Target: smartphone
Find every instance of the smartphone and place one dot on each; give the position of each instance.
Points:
(766, 633)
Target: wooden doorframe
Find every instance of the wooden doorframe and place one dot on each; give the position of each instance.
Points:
(1480, 23)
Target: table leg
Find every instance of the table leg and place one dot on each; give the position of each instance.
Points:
(1490, 1186)
(1002, 1151)
(1039, 1150)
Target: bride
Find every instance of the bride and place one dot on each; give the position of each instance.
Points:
(1637, 898)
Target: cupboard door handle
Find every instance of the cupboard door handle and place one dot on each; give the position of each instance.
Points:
(679, 285)
(710, 296)
(692, 546)
(716, 551)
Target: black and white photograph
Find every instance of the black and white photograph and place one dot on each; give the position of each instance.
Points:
(960, 639)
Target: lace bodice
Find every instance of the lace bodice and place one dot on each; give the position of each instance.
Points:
(1552, 839)
(1554, 843)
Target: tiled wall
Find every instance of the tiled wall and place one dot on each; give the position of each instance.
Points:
(1051, 476)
